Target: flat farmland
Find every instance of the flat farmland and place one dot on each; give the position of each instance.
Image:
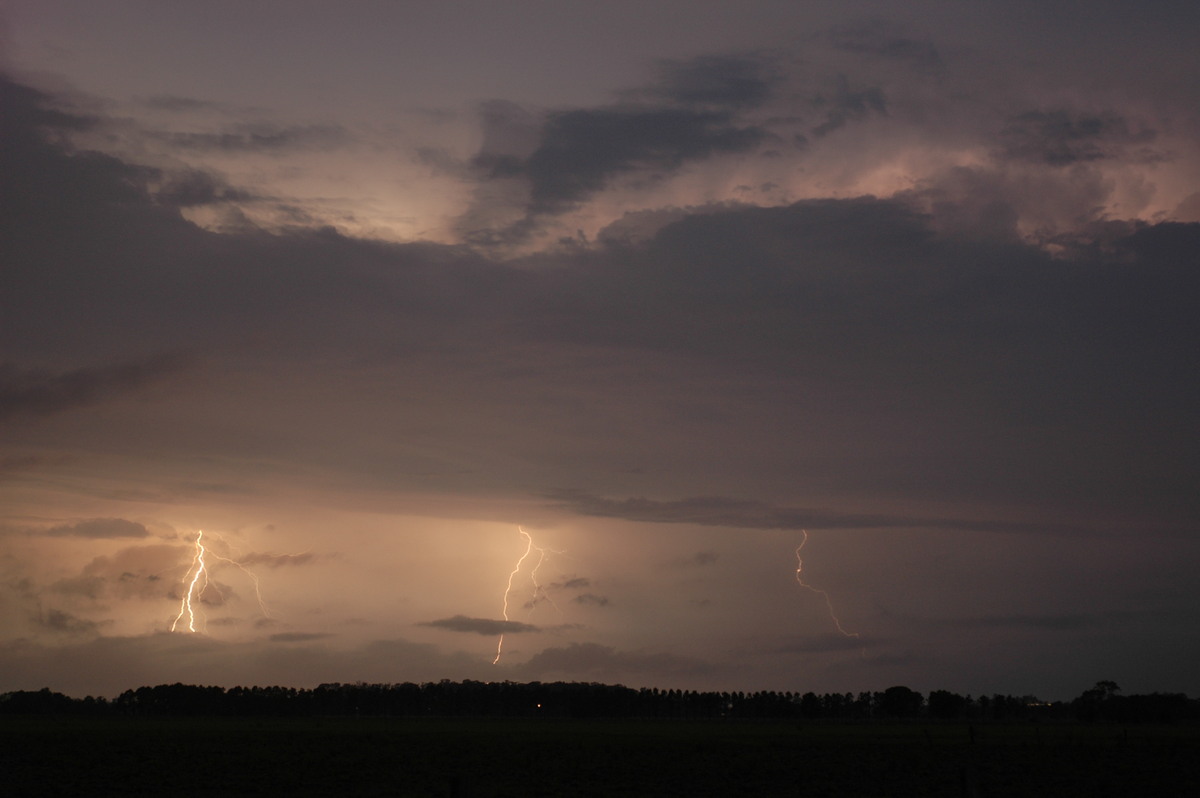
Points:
(563, 757)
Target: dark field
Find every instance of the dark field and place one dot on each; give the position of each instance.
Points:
(532, 757)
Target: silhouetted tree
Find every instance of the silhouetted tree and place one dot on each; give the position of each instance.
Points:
(946, 705)
(1097, 702)
(900, 702)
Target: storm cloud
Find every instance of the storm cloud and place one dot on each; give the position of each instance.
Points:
(659, 297)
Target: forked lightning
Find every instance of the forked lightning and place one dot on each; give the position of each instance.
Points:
(198, 583)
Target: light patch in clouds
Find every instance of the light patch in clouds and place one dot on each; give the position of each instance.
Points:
(700, 559)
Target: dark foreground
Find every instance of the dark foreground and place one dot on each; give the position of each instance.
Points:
(544, 757)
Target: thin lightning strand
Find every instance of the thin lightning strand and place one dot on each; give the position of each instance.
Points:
(537, 587)
(828, 602)
(516, 569)
(262, 606)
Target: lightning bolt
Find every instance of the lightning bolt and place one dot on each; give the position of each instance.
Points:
(538, 590)
(828, 601)
(199, 572)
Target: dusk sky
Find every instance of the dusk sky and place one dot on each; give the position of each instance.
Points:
(362, 290)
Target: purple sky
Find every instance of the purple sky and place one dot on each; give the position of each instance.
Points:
(362, 289)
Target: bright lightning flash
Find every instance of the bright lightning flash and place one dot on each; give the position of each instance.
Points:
(828, 602)
(538, 590)
(198, 583)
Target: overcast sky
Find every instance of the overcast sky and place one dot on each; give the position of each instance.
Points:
(383, 297)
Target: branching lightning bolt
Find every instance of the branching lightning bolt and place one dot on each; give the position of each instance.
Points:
(185, 604)
(198, 571)
(828, 602)
(537, 587)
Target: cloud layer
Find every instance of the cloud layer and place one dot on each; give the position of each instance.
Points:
(927, 293)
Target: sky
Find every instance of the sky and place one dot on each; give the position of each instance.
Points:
(701, 345)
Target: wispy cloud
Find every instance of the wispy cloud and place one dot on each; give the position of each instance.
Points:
(480, 626)
(299, 637)
(746, 514)
(278, 560)
(100, 528)
(25, 391)
(260, 138)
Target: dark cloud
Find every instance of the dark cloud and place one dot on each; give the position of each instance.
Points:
(566, 156)
(45, 182)
(841, 105)
(64, 622)
(29, 109)
(635, 227)
(883, 40)
(480, 626)
(261, 138)
(1061, 137)
(732, 82)
(37, 392)
(591, 599)
(100, 528)
(195, 187)
(581, 152)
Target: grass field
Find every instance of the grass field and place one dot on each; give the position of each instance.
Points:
(543, 757)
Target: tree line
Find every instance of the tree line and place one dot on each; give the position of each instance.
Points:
(446, 698)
